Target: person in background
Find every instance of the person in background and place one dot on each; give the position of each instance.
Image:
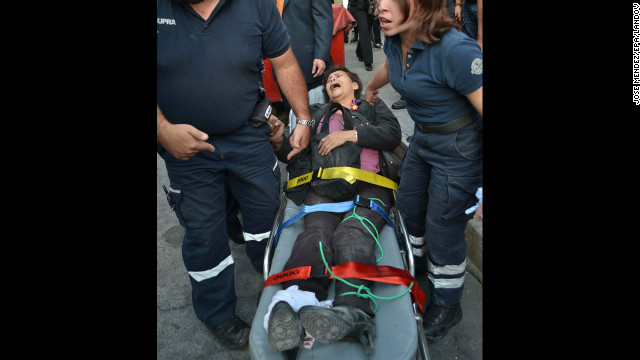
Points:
(470, 11)
(207, 89)
(438, 70)
(359, 11)
(377, 39)
(310, 27)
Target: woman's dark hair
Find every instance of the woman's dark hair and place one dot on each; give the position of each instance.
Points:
(434, 19)
(353, 76)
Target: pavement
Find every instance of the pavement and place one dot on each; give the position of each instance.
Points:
(180, 335)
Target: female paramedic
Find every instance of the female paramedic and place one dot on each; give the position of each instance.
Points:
(346, 236)
(438, 70)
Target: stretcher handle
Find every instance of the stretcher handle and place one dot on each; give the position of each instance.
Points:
(422, 340)
(267, 253)
(410, 260)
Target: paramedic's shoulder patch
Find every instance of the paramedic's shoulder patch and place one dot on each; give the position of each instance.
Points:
(476, 66)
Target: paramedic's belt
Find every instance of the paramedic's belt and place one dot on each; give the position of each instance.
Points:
(448, 127)
(343, 172)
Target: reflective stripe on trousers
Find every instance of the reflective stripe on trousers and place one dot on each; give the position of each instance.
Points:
(245, 161)
(443, 172)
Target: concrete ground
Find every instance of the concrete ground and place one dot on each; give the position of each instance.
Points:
(180, 335)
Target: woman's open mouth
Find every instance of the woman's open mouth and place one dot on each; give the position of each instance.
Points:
(335, 85)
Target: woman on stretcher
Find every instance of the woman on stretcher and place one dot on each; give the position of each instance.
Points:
(345, 237)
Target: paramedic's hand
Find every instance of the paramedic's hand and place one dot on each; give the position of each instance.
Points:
(277, 131)
(478, 213)
(334, 140)
(299, 139)
(317, 68)
(182, 141)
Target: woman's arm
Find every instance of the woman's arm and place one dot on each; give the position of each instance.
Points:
(476, 99)
(380, 79)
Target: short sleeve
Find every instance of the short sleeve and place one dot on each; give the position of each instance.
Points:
(275, 38)
(463, 69)
(386, 47)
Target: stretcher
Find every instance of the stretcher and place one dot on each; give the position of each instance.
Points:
(399, 331)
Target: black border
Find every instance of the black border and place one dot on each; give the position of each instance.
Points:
(78, 201)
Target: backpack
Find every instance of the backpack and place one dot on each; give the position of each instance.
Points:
(347, 154)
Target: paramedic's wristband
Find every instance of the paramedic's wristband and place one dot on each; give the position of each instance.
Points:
(306, 122)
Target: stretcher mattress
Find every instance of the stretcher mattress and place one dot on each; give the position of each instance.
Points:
(396, 330)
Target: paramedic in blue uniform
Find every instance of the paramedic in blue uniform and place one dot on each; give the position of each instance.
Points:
(438, 70)
(208, 54)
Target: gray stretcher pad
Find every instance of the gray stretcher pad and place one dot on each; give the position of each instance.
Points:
(396, 329)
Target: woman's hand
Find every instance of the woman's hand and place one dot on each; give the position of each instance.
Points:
(277, 131)
(334, 140)
(370, 95)
(379, 79)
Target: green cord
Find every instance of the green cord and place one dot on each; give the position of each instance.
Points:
(377, 235)
(368, 294)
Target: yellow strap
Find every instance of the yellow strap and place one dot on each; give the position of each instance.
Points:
(347, 173)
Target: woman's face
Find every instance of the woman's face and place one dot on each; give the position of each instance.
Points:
(390, 17)
(339, 85)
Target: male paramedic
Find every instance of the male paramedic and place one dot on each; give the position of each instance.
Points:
(208, 55)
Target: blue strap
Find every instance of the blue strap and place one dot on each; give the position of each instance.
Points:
(307, 209)
(336, 208)
(380, 210)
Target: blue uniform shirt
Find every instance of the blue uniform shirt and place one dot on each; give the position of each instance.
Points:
(208, 69)
(437, 77)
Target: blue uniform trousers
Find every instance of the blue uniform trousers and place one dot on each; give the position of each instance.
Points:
(246, 161)
(440, 176)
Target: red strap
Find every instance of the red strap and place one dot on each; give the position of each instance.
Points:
(381, 273)
(352, 269)
(302, 272)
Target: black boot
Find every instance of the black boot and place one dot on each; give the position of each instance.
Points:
(233, 333)
(398, 104)
(439, 319)
(284, 327)
(330, 325)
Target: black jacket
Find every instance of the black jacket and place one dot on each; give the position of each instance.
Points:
(310, 27)
(381, 131)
